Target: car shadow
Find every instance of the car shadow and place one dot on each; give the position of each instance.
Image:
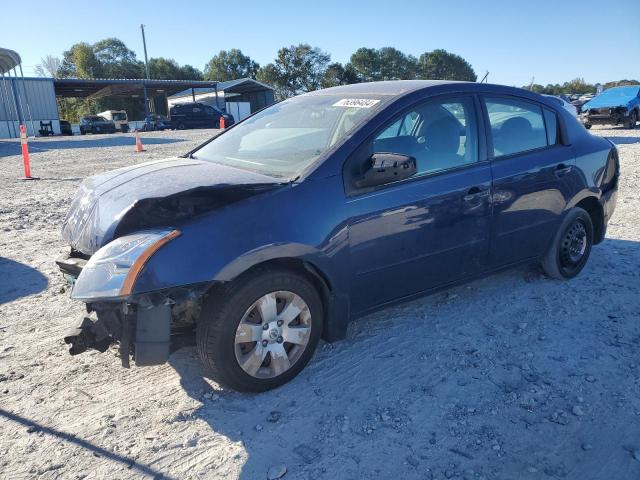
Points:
(19, 280)
(360, 409)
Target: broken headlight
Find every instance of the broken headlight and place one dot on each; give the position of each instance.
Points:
(111, 272)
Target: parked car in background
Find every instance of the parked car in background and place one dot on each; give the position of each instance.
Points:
(155, 122)
(197, 115)
(566, 105)
(96, 124)
(118, 117)
(615, 106)
(65, 128)
(325, 207)
(578, 104)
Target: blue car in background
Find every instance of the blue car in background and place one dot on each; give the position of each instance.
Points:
(324, 207)
(614, 106)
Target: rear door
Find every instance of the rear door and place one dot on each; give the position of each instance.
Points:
(432, 229)
(533, 176)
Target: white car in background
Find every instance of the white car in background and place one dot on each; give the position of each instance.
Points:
(566, 105)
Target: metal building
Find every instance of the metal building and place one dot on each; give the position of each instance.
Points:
(32, 101)
(24, 100)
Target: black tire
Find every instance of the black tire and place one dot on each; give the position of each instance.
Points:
(568, 254)
(633, 118)
(223, 310)
(587, 126)
(181, 126)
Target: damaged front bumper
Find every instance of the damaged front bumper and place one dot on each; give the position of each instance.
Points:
(605, 116)
(146, 326)
(146, 329)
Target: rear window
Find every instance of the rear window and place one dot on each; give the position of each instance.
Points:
(516, 126)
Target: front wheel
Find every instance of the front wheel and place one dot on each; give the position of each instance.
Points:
(571, 246)
(587, 126)
(260, 331)
(633, 118)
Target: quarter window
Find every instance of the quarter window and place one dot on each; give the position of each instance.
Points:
(439, 134)
(516, 126)
(551, 123)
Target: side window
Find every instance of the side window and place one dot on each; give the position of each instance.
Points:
(439, 134)
(551, 123)
(516, 126)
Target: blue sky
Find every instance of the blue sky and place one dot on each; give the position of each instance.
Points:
(553, 41)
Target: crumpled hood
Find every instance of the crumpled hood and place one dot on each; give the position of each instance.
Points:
(605, 103)
(612, 98)
(103, 200)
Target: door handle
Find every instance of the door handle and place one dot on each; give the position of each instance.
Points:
(475, 193)
(562, 170)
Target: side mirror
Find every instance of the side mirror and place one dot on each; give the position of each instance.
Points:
(383, 168)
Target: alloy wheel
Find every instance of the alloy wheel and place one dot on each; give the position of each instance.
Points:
(273, 334)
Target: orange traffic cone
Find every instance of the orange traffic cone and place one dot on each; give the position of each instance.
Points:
(25, 154)
(222, 126)
(139, 147)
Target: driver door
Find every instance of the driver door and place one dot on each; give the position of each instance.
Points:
(432, 229)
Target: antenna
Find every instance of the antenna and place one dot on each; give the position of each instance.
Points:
(485, 77)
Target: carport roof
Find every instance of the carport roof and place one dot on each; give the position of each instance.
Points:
(8, 60)
(122, 87)
(241, 85)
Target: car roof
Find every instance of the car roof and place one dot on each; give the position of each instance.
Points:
(387, 87)
(399, 88)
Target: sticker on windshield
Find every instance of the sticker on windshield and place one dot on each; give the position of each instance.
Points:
(356, 102)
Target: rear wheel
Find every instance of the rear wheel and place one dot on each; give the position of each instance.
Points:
(181, 126)
(571, 246)
(259, 332)
(587, 126)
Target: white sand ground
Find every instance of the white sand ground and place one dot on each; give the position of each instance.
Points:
(512, 377)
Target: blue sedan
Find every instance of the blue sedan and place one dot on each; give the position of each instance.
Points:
(324, 207)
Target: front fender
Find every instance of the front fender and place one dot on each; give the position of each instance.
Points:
(219, 246)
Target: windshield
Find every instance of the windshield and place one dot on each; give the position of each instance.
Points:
(287, 137)
(119, 116)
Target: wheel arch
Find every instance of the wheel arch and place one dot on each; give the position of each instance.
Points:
(315, 267)
(594, 208)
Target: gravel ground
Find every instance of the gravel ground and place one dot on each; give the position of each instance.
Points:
(512, 377)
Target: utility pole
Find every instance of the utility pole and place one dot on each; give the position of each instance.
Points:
(144, 44)
(146, 67)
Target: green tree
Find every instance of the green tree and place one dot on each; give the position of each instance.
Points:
(620, 83)
(387, 63)
(80, 61)
(116, 60)
(296, 69)
(163, 68)
(230, 65)
(442, 65)
(336, 74)
(577, 85)
(188, 72)
(168, 69)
